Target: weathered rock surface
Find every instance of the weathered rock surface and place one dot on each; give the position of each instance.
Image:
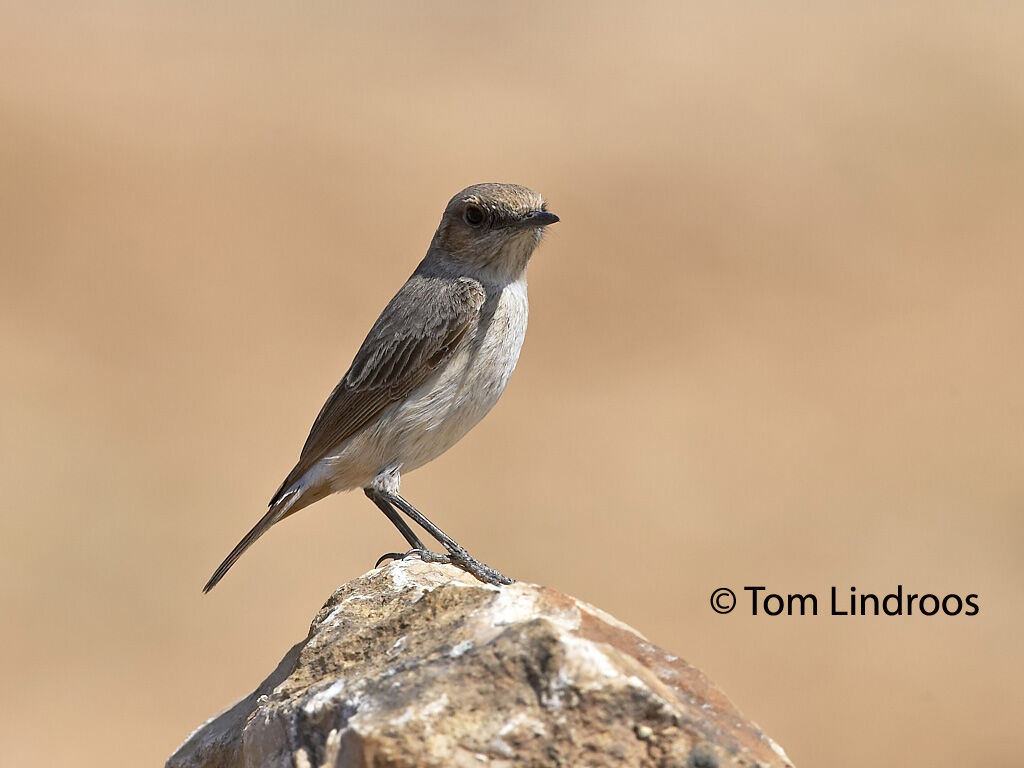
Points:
(418, 664)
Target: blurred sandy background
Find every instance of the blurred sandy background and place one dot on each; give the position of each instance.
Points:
(777, 339)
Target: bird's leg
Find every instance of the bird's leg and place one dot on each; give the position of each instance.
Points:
(458, 554)
(384, 505)
(418, 547)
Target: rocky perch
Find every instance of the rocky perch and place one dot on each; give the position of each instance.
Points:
(418, 664)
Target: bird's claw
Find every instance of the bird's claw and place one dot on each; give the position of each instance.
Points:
(388, 556)
(424, 554)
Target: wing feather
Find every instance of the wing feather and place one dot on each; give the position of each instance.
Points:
(419, 330)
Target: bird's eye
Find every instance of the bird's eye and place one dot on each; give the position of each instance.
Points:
(473, 215)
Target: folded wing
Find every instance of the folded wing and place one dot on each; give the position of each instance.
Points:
(418, 331)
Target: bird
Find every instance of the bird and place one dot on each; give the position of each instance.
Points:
(431, 367)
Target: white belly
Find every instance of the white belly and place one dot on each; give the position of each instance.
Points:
(438, 414)
(444, 410)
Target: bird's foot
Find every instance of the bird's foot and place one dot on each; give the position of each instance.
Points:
(460, 558)
(424, 554)
(456, 556)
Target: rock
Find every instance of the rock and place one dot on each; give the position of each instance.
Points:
(418, 664)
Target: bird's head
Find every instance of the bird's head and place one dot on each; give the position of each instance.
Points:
(493, 227)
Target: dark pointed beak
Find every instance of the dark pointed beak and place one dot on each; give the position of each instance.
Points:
(538, 219)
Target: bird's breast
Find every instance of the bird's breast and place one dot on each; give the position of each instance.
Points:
(442, 411)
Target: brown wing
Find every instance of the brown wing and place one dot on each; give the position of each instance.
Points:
(417, 332)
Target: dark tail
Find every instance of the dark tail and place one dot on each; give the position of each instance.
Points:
(280, 509)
